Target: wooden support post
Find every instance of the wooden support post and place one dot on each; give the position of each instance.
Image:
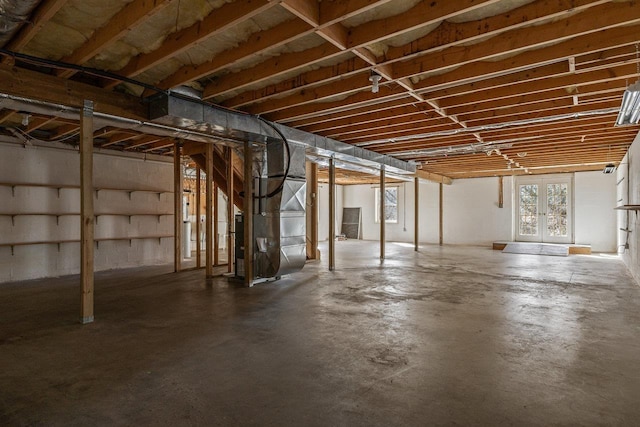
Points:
(86, 213)
(440, 216)
(248, 214)
(332, 215)
(209, 212)
(198, 207)
(416, 213)
(312, 211)
(382, 212)
(500, 192)
(216, 238)
(230, 218)
(177, 207)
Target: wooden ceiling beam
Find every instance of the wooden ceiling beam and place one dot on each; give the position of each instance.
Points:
(570, 84)
(595, 20)
(256, 44)
(144, 140)
(41, 15)
(489, 49)
(559, 52)
(541, 110)
(270, 68)
(124, 21)
(423, 14)
(118, 138)
(360, 99)
(42, 87)
(386, 116)
(360, 113)
(335, 11)
(219, 20)
(306, 80)
(6, 114)
(446, 35)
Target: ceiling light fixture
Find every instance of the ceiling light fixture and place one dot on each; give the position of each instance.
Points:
(630, 109)
(374, 78)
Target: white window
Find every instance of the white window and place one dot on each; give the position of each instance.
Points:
(390, 205)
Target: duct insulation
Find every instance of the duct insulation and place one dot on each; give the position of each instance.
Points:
(279, 223)
(13, 13)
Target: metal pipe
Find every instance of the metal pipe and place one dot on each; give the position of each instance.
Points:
(416, 213)
(332, 214)
(383, 221)
(248, 214)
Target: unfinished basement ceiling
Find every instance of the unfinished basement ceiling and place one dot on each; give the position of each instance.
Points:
(468, 89)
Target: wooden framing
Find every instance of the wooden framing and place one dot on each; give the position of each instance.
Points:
(382, 208)
(198, 210)
(416, 213)
(332, 215)
(86, 213)
(216, 238)
(177, 207)
(248, 214)
(209, 212)
(441, 214)
(231, 223)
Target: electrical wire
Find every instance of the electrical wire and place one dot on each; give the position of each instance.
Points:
(288, 151)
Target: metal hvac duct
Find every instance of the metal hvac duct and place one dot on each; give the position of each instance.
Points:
(13, 13)
(279, 223)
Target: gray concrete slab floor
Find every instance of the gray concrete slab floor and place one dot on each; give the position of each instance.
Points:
(448, 335)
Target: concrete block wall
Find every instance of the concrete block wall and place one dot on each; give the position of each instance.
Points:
(59, 165)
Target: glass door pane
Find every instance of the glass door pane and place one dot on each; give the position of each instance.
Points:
(557, 211)
(528, 210)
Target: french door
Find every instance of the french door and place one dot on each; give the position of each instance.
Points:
(544, 209)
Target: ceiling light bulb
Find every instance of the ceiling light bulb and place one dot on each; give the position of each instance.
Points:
(25, 119)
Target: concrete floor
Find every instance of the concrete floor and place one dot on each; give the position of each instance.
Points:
(452, 335)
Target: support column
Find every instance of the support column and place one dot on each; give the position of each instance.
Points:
(230, 218)
(86, 213)
(382, 213)
(209, 212)
(500, 192)
(177, 208)
(198, 207)
(441, 215)
(416, 213)
(332, 215)
(216, 238)
(312, 210)
(248, 214)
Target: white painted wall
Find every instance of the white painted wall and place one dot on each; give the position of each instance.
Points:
(595, 219)
(472, 215)
(628, 193)
(323, 213)
(60, 165)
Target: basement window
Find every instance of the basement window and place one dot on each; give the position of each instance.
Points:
(390, 205)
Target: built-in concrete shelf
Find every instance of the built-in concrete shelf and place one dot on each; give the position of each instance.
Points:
(97, 241)
(13, 185)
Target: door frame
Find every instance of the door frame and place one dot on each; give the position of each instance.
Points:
(542, 181)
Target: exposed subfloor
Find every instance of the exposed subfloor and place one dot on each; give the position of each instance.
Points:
(451, 335)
